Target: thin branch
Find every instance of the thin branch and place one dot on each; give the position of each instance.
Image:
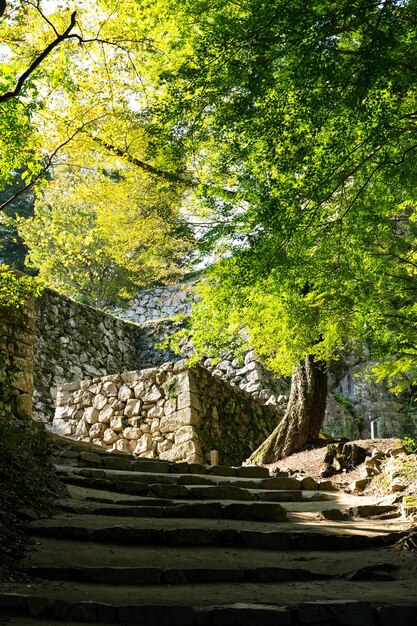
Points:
(48, 163)
(35, 64)
(170, 176)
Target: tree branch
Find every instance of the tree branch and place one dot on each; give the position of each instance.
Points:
(170, 176)
(35, 64)
(48, 163)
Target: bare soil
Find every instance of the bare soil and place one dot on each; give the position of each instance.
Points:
(310, 461)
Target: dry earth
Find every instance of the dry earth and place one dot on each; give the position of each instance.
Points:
(310, 461)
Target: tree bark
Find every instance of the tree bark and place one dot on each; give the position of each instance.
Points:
(304, 415)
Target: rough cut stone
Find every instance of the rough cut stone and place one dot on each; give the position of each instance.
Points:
(91, 415)
(360, 485)
(109, 388)
(132, 433)
(164, 446)
(154, 426)
(132, 408)
(334, 515)
(125, 393)
(131, 378)
(309, 484)
(62, 397)
(152, 395)
(97, 430)
(110, 436)
(144, 444)
(106, 414)
(122, 446)
(116, 423)
(99, 401)
(183, 434)
(63, 427)
(139, 390)
(82, 429)
(65, 412)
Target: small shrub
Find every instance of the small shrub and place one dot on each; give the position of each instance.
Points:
(409, 444)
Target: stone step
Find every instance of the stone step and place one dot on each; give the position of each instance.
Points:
(175, 576)
(182, 492)
(214, 532)
(205, 606)
(275, 483)
(131, 463)
(357, 564)
(244, 614)
(257, 511)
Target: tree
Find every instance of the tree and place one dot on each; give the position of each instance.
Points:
(97, 238)
(290, 127)
(306, 115)
(78, 86)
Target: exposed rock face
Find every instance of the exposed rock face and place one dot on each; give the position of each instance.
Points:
(172, 413)
(338, 421)
(370, 400)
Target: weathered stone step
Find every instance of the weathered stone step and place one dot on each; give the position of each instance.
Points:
(175, 576)
(274, 483)
(257, 511)
(363, 563)
(219, 532)
(245, 614)
(182, 492)
(205, 606)
(73, 457)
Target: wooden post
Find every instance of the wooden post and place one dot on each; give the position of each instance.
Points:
(214, 457)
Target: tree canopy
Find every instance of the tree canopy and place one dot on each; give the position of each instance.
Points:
(76, 112)
(306, 117)
(288, 129)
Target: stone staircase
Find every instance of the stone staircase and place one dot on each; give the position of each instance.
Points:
(148, 542)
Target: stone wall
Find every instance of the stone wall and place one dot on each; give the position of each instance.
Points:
(171, 412)
(16, 361)
(74, 341)
(159, 303)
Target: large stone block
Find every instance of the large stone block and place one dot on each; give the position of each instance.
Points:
(133, 407)
(91, 415)
(184, 433)
(110, 436)
(65, 428)
(144, 444)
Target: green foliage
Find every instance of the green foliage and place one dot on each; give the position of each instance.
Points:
(409, 444)
(299, 122)
(344, 402)
(288, 131)
(15, 289)
(12, 249)
(407, 470)
(97, 239)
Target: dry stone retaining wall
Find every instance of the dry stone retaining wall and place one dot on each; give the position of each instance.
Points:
(74, 341)
(172, 413)
(16, 361)
(159, 303)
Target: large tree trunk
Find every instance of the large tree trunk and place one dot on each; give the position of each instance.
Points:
(304, 415)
